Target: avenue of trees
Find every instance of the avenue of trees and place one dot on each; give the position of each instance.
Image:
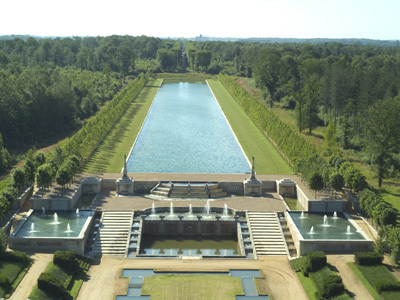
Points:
(53, 88)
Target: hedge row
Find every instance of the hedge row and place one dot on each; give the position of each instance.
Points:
(66, 260)
(52, 285)
(302, 156)
(369, 258)
(387, 286)
(86, 140)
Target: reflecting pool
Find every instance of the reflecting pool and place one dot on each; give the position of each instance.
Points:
(186, 132)
(189, 246)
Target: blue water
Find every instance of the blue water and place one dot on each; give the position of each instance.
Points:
(335, 229)
(44, 224)
(186, 132)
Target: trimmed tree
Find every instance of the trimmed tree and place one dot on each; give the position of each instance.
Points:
(316, 183)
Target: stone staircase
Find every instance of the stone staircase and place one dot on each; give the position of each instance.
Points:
(113, 233)
(267, 234)
(198, 190)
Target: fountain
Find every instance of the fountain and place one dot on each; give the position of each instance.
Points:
(311, 230)
(171, 210)
(68, 228)
(335, 217)
(43, 211)
(32, 228)
(39, 232)
(207, 208)
(343, 235)
(302, 215)
(55, 220)
(325, 224)
(153, 209)
(225, 212)
(77, 212)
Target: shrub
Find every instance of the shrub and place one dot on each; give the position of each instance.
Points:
(66, 260)
(387, 286)
(4, 282)
(369, 258)
(48, 283)
(315, 261)
(332, 286)
(16, 256)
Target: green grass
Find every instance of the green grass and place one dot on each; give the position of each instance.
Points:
(14, 271)
(73, 287)
(4, 183)
(190, 77)
(374, 273)
(364, 281)
(108, 157)
(294, 204)
(254, 143)
(308, 286)
(216, 287)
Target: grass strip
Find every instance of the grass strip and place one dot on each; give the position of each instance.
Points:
(108, 157)
(308, 286)
(252, 140)
(194, 287)
(364, 281)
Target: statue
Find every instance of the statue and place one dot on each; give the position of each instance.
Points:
(253, 173)
(125, 169)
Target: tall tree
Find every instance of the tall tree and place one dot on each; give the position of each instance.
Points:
(382, 131)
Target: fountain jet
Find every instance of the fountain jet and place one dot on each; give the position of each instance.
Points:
(225, 212)
(68, 228)
(55, 222)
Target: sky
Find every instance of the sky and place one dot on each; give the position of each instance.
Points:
(373, 19)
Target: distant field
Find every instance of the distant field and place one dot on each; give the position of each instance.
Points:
(109, 156)
(254, 143)
(182, 287)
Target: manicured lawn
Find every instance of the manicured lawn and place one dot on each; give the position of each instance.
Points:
(109, 156)
(73, 286)
(374, 273)
(216, 287)
(364, 281)
(14, 271)
(252, 140)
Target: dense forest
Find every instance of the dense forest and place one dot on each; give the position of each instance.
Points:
(49, 87)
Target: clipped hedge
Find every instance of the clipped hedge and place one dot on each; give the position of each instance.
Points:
(52, 285)
(387, 286)
(315, 260)
(369, 258)
(66, 260)
(15, 256)
(332, 286)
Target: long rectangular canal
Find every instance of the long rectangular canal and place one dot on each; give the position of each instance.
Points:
(186, 131)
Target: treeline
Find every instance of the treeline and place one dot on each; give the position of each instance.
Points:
(65, 160)
(50, 87)
(353, 87)
(301, 155)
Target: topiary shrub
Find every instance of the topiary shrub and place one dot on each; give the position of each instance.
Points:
(332, 285)
(387, 286)
(369, 258)
(315, 261)
(66, 260)
(15, 256)
(52, 285)
(4, 282)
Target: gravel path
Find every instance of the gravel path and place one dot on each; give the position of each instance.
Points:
(29, 281)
